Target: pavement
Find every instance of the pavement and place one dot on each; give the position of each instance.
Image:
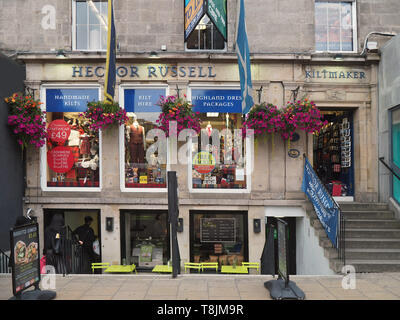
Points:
(368, 286)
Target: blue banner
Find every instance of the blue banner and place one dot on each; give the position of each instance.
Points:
(70, 100)
(216, 100)
(109, 85)
(142, 100)
(243, 54)
(324, 206)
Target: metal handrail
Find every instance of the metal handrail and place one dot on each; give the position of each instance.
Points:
(341, 223)
(381, 159)
(4, 262)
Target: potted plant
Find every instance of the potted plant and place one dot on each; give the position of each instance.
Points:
(103, 114)
(180, 110)
(26, 120)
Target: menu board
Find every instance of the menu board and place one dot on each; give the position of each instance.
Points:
(282, 250)
(24, 244)
(217, 230)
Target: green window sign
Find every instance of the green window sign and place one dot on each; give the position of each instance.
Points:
(216, 10)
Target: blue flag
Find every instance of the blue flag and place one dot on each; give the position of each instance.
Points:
(324, 206)
(109, 84)
(243, 53)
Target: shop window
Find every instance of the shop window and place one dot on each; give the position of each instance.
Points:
(71, 157)
(396, 151)
(335, 26)
(333, 153)
(218, 237)
(205, 36)
(145, 238)
(90, 25)
(145, 163)
(218, 155)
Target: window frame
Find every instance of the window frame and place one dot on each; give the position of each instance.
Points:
(121, 139)
(354, 26)
(74, 30)
(43, 149)
(248, 148)
(225, 49)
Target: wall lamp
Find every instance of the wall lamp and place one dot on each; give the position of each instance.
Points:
(154, 55)
(338, 57)
(61, 54)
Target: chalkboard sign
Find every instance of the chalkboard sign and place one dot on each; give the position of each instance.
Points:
(24, 244)
(217, 230)
(283, 251)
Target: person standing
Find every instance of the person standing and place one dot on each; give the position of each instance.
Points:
(86, 238)
(54, 240)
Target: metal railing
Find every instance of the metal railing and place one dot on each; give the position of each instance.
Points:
(340, 234)
(4, 262)
(382, 159)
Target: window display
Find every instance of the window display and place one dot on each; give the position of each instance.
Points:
(142, 171)
(145, 166)
(72, 148)
(218, 237)
(218, 155)
(395, 116)
(146, 238)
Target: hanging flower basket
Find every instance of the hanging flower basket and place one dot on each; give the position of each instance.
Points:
(26, 120)
(180, 110)
(301, 115)
(263, 118)
(101, 115)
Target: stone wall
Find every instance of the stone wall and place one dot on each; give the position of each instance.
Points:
(144, 25)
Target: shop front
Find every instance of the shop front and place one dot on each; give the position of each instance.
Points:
(225, 182)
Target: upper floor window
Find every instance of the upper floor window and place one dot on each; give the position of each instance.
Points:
(335, 26)
(205, 37)
(90, 25)
(205, 24)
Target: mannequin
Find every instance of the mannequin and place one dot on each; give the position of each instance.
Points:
(136, 141)
(209, 129)
(73, 139)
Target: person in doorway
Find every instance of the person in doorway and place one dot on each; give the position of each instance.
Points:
(54, 239)
(86, 238)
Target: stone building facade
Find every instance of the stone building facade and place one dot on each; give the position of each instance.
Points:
(285, 65)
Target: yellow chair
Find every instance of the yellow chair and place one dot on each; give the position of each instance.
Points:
(209, 265)
(100, 265)
(192, 265)
(253, 265)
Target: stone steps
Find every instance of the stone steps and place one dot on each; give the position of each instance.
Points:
(378, 243)
(369, 215)
(372, 223)
(372, 238)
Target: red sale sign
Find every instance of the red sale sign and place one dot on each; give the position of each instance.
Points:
(59, 131)
(60, 159)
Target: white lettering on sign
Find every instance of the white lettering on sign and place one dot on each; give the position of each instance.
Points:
(49, 20)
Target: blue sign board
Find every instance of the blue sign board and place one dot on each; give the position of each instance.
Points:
(143, 100)
(217, 100)
(70, 100)
(324, 206)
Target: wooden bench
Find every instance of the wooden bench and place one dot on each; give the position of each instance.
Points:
(253, 265)
(209, 265)
(100, 265)
(193, 265)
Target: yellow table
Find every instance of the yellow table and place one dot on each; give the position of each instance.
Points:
(231, 269)
(162, 268)
(118, 268)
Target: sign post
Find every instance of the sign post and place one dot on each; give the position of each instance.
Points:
(25, 266)
(173, 213)
(283, 288)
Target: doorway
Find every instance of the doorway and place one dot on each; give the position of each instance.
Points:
(333, 159)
